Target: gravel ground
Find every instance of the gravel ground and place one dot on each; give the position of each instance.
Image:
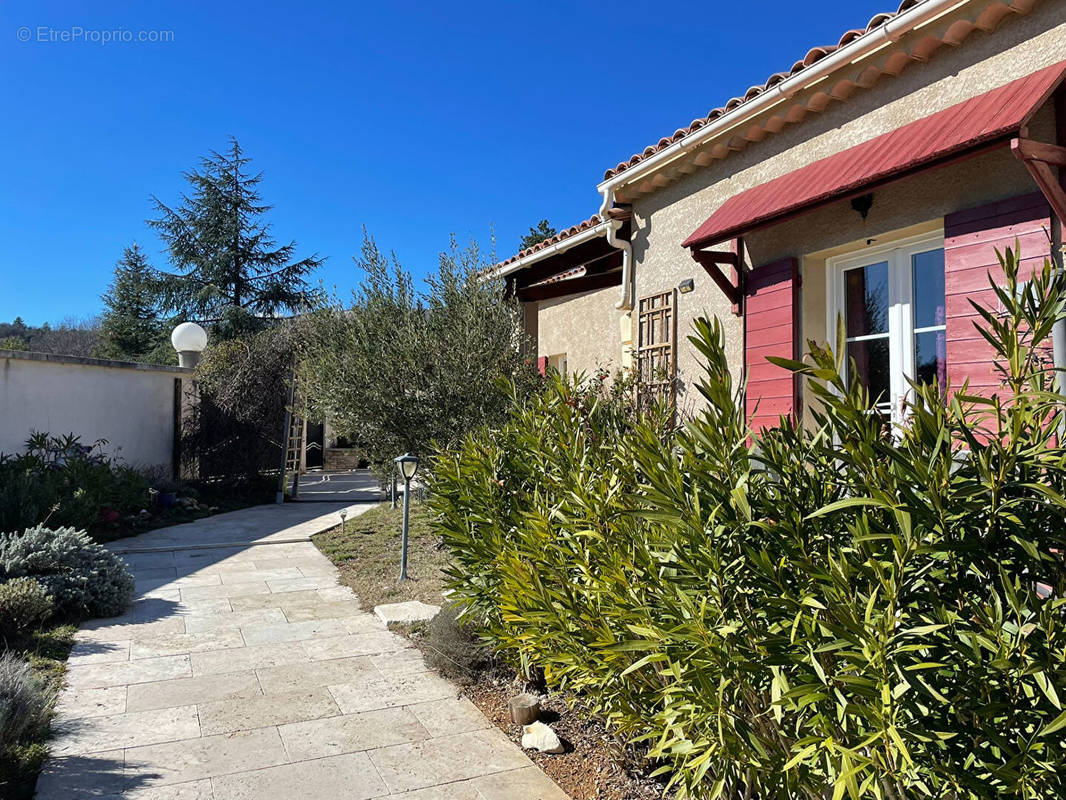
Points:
(593, 767)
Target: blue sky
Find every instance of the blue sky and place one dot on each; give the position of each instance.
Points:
(415, 119)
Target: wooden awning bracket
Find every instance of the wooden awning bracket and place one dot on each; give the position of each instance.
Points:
(712, 261)
(1040, 158)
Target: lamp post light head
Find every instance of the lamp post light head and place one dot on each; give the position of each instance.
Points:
(407, 464)
(189, 339)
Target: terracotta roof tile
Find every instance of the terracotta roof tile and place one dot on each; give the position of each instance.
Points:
(591, 222)
(565, 275)
(813, 55)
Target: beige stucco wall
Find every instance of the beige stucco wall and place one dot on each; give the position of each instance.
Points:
(663, 220)
(586, 327)
(131, 407)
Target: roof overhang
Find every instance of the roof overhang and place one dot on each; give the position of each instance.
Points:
(596, 231)
(988, 120)
(884, 50)
(582, 262)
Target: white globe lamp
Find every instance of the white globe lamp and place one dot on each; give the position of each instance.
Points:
(189, 339)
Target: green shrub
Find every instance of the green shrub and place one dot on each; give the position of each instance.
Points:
(24, 605)
(62, 482)
(847, 609)
(25, 702)
(83, 578)
(453, 648)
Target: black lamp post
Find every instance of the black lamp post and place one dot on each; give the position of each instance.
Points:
(407, 464)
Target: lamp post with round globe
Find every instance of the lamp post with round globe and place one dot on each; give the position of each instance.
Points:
(189, 339)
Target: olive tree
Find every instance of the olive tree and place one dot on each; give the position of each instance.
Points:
(402, 369)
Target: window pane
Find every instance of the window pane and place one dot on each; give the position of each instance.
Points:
(866, 299)
(930, 358)
(871, 367)
(927, 270)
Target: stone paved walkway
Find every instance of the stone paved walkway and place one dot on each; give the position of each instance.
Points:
(244, 671)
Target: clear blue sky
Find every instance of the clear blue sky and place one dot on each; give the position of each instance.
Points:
(414, 119)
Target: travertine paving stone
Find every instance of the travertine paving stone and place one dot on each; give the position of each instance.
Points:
(275, 632)
(77, 737)
(122, 673)
(447, 717)
(208, 756)
(406, 612)
(90, 652)
(262, 656)
(389, 692)
(430, 762)
(218, 638)
(248, 713)
(246, 671)
(290, 677)
(349, 776)
(352, 733)
(83, 703)
(183, 691)
(358, 644)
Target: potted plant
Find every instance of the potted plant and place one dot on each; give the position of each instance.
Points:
(166, 491)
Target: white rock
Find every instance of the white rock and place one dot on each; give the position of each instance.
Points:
(539, 736)
(411, 611)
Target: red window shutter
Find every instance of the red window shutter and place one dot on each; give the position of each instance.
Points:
(542, 365)
(771, 320)
(971, 239)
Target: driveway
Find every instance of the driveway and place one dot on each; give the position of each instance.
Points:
(245, 671)
(346, 486)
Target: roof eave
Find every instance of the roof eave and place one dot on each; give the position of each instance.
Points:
(858, 49)
(594, 232)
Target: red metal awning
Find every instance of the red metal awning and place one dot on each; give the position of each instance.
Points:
(982, 120)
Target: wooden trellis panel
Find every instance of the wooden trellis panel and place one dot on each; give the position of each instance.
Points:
(656, 351)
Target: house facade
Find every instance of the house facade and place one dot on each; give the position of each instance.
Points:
(872, 182)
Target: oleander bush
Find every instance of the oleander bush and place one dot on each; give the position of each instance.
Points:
(25, 702)
(83, 578)
(24, 606)
(843, 609)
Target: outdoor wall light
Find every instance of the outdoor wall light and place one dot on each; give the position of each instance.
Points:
(686, 286)
(189, 339)
(407, 464)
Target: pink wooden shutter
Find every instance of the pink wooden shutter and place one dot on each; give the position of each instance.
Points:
(542, 365)
(771, 319)
(971, 238)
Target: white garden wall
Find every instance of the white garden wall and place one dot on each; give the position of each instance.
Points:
(130, 405)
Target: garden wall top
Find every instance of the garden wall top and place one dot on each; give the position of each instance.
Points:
(27, 355)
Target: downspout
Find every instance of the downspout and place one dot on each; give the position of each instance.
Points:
(1058, 235)
(625, 301)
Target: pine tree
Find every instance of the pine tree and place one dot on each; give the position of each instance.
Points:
(231, 272)
(132, 326)
(537, 235)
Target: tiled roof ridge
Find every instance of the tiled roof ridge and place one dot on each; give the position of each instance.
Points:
(584, 225)
(813, 55)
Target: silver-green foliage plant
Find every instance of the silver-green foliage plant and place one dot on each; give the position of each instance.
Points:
(841, 609)
(24, 605)
(83, 578)
(25, 702)
(401, 369)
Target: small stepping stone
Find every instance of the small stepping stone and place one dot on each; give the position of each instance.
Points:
(411, 611)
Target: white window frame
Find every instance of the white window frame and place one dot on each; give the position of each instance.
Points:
(901, 330)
